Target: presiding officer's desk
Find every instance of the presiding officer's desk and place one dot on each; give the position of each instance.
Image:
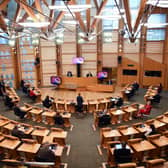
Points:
(85, 83)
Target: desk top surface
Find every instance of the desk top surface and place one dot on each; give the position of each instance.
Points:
(143, 146)
(112, 133)
(161, 141)
(39, 132)
(28, 147)
(9, 143)
(128, 131)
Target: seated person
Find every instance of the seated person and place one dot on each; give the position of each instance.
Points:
(33, 94)
(151, 130)
(18, 112)
(156, 98)
(122, 155)
(22, 82)
(18, 131)
(146, 110)
(104, 119)
(8, 101)
(135, 85)
(47, 102)
(46, 153)
(58, 119)
(89, 74)
(160, 87)
(69, 74)
(119, 101)
(2, 88)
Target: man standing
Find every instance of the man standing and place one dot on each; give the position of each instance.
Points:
(79, 101)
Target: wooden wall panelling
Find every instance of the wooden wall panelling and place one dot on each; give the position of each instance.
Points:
(128, 65)
(152, 65)
(154, 50)
(99, 47)
(49, 64)
(165, 57)
(89, 52)
(110, 60)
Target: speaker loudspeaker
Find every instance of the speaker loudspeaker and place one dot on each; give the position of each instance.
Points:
(119, 59)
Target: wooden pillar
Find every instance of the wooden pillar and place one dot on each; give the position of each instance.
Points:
(99, 47)
(37, 65)
(78, 53)
(165, 58)
(17, 64)
(59, 59)
(120, 50)
(142, 54)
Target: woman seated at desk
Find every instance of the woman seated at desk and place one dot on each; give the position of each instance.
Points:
(146, 110)
(59, 119)
(33, 94)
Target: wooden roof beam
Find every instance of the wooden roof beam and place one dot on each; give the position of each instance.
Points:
(140, 14)
(18, 12)
(96, 4)
(26, 7)
(95, 21)
(128, 15)
(88, 16)
(3, 4)
(38, 7)
(59, 17)
(52, 11)
(3, 25)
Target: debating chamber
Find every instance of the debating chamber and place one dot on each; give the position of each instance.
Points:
(84, 83)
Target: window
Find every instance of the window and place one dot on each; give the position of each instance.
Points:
(129, 72)
(153, 73)
(155, 34)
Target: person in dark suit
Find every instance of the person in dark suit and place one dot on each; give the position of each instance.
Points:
(69, 74)
(58, 119)
(2, 88)
(18, 112)
(47, 102)
(79, 101)
(89, 74)
(8, 101)
(46, 153)
(17, 132)
(122, 155)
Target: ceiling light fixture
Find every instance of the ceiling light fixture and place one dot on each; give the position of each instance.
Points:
(73, 8)
(34, 24)
(105, 17)
(160, 3)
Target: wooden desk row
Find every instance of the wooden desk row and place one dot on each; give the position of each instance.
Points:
(88, 105)
(154, 146)
(41, 134)
(47, 116)
(125, 113)
(14, 148)
(136, 130)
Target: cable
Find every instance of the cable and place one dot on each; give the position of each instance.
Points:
(43, 14)
(143, 19)
(129, 33)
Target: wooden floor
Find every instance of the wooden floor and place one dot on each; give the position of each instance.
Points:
(71, 94)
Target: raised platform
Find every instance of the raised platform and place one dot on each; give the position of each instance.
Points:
(85, 83)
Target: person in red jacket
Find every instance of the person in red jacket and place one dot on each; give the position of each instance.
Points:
(33, 94)
(146, 110)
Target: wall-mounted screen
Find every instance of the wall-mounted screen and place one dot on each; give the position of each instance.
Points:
(77, 60)
(102, 75)
(153, 73)
(55, 80)
(130, 72)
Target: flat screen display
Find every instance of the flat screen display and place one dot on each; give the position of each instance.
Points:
(55, 80)
(77, 60)
(102, 75)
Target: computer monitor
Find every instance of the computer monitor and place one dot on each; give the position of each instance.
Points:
(102, 75)
(77, 60)
(55, 80)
